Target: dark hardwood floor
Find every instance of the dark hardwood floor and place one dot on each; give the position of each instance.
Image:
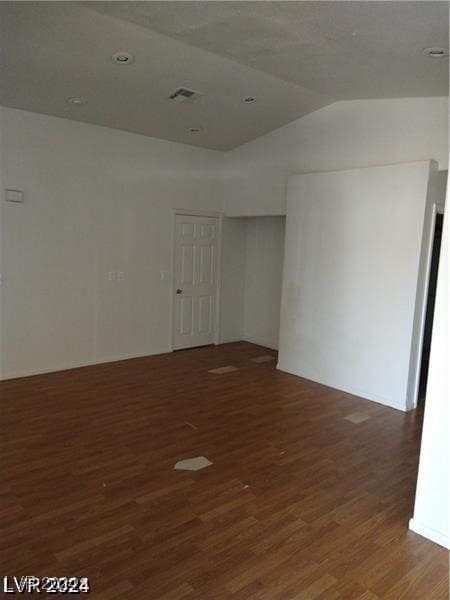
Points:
(300, 503)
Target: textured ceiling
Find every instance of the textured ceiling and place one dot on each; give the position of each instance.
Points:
(294, 57)
(346, 50)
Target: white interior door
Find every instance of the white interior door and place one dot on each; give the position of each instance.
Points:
(195, 280)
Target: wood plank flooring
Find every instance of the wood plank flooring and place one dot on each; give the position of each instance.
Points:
(300, 503)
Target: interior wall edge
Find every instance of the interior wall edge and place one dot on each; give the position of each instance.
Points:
(424, 266)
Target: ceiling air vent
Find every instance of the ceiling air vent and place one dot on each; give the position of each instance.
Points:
(184, 95)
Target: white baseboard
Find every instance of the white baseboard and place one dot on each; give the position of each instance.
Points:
(431, 534)
(44, 370)
(260, 342)
(109, 359)
(230, 340)
(77, 365)
(367, 395)
(118, 357)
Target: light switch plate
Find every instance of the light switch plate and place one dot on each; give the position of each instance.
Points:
(13, 196)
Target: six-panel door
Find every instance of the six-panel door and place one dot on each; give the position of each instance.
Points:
(195, 280)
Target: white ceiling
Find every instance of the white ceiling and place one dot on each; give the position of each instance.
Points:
(294, 57)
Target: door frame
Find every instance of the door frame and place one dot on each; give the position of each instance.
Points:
(196, 213)
(420, 316)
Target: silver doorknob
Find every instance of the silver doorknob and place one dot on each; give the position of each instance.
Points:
(179, 291)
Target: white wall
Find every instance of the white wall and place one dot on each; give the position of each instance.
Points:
(252, 269)
(353, 249)
(101, 200)
(234, 243)
(344, 135)
(263, 280)
(97, 200)
(432, 506)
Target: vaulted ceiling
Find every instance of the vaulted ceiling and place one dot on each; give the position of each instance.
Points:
(292, 57)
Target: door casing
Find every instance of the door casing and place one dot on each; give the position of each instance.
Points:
(196, 213)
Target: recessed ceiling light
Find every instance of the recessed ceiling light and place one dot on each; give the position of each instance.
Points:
(249, 99)
(436, 52)
(195, 129)
(76, 100)
(122, 58)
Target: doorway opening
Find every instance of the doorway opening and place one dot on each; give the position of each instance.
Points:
(253, 256)
(431, 299)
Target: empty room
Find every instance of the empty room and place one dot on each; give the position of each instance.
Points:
(224, 300)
